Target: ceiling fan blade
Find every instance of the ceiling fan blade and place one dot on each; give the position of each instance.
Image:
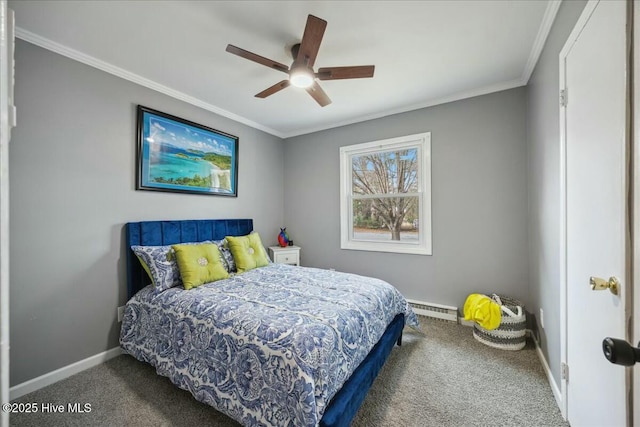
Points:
(335, 73)
(257, 58)
(318, 94)
(311, 40)
(273, 89)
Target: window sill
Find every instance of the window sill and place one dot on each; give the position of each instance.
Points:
(399, 248)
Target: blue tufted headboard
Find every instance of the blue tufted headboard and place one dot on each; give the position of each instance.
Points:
(156, 233)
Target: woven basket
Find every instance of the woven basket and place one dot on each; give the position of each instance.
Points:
(510, 335)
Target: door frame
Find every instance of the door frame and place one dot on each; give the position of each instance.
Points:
(627, 288)
(635, 192)
(6, 121)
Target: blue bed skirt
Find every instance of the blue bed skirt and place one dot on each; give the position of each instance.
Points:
(347, 401)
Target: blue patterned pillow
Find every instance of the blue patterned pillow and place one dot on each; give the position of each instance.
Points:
(160, 262)
(225, 254)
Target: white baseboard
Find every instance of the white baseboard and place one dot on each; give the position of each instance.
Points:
(465, 322)
(433, 310)
(62, 373)
(552, 382)
(557, 394)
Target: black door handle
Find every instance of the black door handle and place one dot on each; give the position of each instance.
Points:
(620, 352)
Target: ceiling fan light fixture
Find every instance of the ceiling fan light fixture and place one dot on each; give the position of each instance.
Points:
(301, 77)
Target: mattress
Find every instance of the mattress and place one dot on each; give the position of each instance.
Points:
(271, 346)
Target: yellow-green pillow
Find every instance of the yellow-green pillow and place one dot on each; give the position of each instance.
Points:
(247, 252)
(199, 264)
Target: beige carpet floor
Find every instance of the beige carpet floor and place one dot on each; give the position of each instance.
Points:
(441, 377)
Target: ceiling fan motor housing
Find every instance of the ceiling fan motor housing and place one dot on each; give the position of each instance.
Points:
(294, 51)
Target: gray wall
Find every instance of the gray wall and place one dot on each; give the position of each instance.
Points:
(72, 173)
(543, 135)
(479, 199)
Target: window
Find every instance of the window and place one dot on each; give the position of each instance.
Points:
(385, 195)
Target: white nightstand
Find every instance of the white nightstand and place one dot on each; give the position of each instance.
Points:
(286, 255)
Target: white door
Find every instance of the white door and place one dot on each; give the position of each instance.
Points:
(593, 70)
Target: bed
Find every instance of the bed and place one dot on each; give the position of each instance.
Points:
(277, 345)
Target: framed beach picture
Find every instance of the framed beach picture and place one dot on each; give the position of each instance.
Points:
(177, 155)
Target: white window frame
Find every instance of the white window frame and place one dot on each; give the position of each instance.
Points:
(423, 246)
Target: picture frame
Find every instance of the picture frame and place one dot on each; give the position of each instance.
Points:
(180, 156)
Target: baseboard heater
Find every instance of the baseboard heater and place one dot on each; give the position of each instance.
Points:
(436, 311)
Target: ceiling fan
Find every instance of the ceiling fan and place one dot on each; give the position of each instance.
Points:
(301, 72)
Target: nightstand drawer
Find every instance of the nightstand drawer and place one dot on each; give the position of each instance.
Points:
(290, 257)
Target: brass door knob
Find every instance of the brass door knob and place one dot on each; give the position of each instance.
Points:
(598, 284)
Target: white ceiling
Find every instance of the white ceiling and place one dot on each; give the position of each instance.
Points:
(425, 52)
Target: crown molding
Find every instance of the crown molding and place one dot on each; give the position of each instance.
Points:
(536, 50)
(430, 103)
(543, 32)
(135, 78)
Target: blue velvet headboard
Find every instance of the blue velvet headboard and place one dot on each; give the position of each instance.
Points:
(156, 233)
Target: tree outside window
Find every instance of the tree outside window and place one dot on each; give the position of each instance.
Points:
(385, 195)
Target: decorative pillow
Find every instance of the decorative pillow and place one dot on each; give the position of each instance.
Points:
(159, 262)
(248, 252)
(227, 256)
(145, 267)
(199, 264)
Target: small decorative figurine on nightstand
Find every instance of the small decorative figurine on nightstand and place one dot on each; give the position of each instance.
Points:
(283, 237)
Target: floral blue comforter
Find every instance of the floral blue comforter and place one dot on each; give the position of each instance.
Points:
(267, 347)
